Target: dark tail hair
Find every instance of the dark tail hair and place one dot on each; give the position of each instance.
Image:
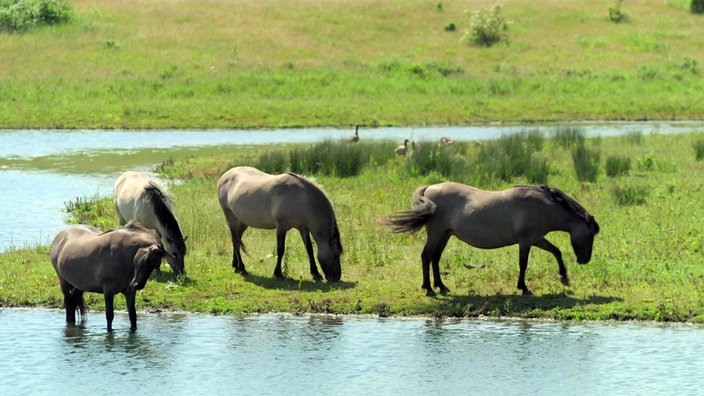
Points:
(80, 303)
(412, 220)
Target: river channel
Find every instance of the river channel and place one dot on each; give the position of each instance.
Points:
(40, 173)
(298, 355)
(188, 354)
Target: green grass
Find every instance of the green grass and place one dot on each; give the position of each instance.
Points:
(176, 65)
(647, 262)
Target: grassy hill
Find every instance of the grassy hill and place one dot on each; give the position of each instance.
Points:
(249, 64)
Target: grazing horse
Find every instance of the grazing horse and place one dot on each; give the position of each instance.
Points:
(140, 199)
(251, 198)
(520, 215)
(118, 261)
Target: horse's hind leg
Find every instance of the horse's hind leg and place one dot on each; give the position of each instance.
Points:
(431, 255)
(69, 304)
(544, 244)
(236, 231)
(523, 253)
(437, 281)
(280, 250)
(305, 235)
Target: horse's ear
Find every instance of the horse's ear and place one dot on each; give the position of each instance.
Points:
(185, 238)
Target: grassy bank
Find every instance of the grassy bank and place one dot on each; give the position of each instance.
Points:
(647, 261)
(254, 64)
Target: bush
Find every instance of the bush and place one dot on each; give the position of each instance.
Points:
(630, 195)
(698, 149)
(23, 15)
(586, 163)
(697, 6)
(514, 155)
(615, 13)
(487, 27)
(568, 136)
(617, 166)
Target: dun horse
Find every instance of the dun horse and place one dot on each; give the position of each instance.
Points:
(142, 200)
(492, 219)
(118, 261)
(251, 198)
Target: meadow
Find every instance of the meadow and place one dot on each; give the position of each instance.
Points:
(647, 261)
(254, 64)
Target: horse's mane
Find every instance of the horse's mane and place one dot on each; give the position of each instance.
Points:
(334, 231)
(567, 202)
(161, 203)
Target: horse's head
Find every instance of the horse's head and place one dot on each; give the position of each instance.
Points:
(146, 260)
(176, 250)
(582, 238)
(329, 258)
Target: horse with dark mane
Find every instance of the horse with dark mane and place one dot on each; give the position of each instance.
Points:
(118, 261)
(520, 215)
(140, 199)
(251, 198)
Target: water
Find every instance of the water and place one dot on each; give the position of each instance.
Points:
(32, 200)
(283, 354)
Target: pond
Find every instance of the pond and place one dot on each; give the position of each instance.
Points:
(284, 354)
(42, 170)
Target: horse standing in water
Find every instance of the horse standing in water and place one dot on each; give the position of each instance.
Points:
(520, 215)
(119, 261)
(140, 199)
(251, 198)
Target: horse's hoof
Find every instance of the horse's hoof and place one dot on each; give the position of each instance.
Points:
(444, 290)
(430, 292)
(565, 281)
(527, 292)
(280, 277)
(317, 278)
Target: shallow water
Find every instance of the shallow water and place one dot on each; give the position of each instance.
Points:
(283, 354)
(32, 201)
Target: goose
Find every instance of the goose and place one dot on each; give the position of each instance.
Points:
(354, 138)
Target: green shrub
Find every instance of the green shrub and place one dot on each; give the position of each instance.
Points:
(586, 163)
(629, 195)
(697, 6)
(336, 158)
(568, 136)
(487, 27)
(512, 156)
(617, 165)
(273, 162)
(698, 149)
(23, 15)
(615, 13)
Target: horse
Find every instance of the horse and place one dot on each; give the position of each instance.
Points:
(520, 215)
(118, 261)
(251, 198)
(141, 199)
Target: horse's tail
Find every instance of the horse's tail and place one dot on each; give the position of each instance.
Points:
(412, 220)
(78, 301)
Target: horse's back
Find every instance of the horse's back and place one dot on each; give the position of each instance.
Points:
(85, 257)
(486, 219)
(130, 198)
(261, 200)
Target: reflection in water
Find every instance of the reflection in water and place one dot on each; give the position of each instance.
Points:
(282, 354)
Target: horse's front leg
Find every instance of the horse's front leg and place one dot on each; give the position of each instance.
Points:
(69, 304)
(523, 252)
(544, 244)
(130, 294)
(109, 309)
(280, 249)
(305, 235)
